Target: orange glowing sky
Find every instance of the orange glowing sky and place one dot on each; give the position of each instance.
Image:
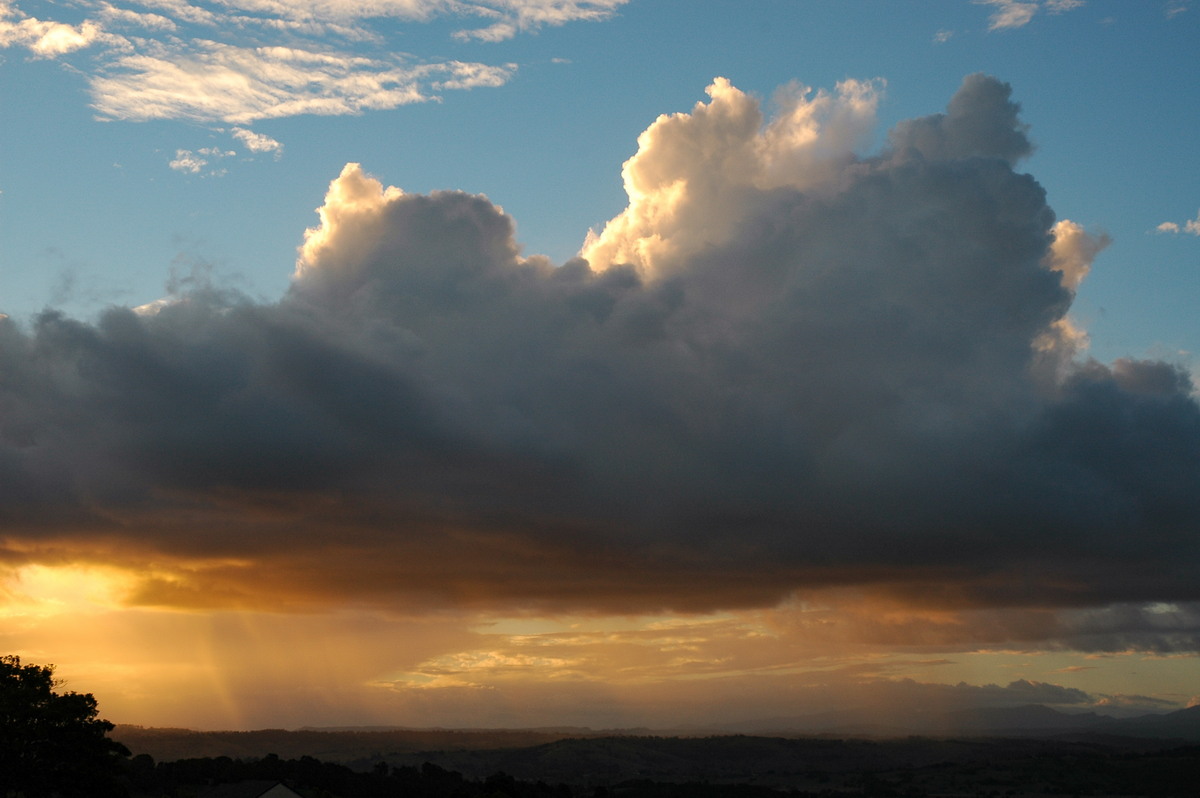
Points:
(246, 669)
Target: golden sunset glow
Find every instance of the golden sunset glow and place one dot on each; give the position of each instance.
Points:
(38, 591)
(232, 669)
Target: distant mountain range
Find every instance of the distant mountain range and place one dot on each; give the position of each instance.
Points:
(487, 750)
(1019, 750)
(1033, 720)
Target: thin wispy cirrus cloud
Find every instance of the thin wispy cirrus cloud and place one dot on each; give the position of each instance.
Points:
(242, 62)
(1010, 14)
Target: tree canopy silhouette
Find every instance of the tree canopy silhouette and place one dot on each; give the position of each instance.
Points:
(53, 744)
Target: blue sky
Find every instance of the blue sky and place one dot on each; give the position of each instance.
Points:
(94, 215)
(877, 386)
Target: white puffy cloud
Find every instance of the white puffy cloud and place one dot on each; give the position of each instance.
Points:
(353, 206)
(257, 142)
(187, 161)
(1073, 251)
(194, 163)
(1071, 254)
(1191, 226)
(691, 179)
(786, 367)
(47, 38)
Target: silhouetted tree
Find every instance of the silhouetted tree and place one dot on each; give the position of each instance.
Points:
(53, 744)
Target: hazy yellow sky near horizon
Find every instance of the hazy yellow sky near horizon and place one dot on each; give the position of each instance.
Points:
(242, 669)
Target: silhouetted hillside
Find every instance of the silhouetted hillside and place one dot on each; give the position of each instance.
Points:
(1182, 725)
(1033, 720)
(570, 751)
(329, 746)
(718, 767)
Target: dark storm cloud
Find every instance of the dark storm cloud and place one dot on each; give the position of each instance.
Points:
(862, 376)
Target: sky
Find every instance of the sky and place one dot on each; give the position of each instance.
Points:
(616, 363)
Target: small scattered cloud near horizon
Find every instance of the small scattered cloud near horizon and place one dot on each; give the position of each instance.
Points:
(1126, 705)
(1190, 227)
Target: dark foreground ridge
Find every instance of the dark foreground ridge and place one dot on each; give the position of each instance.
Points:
(405, 746)
(524, 764)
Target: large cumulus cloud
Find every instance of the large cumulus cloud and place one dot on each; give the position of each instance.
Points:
(783, 367)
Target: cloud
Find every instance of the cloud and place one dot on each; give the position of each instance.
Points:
(816, 699)
(184, 11)
(1073, 251)
(45, 38)
(692, 170)
(459, 669)
(1191, 226)
(247, 60)
(194, 163)
(218, 82)
(187, 161)
(124, 17)
(1133, 705)
(515, 16)
(257, 142)
(787, 368)
(1011, 14)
